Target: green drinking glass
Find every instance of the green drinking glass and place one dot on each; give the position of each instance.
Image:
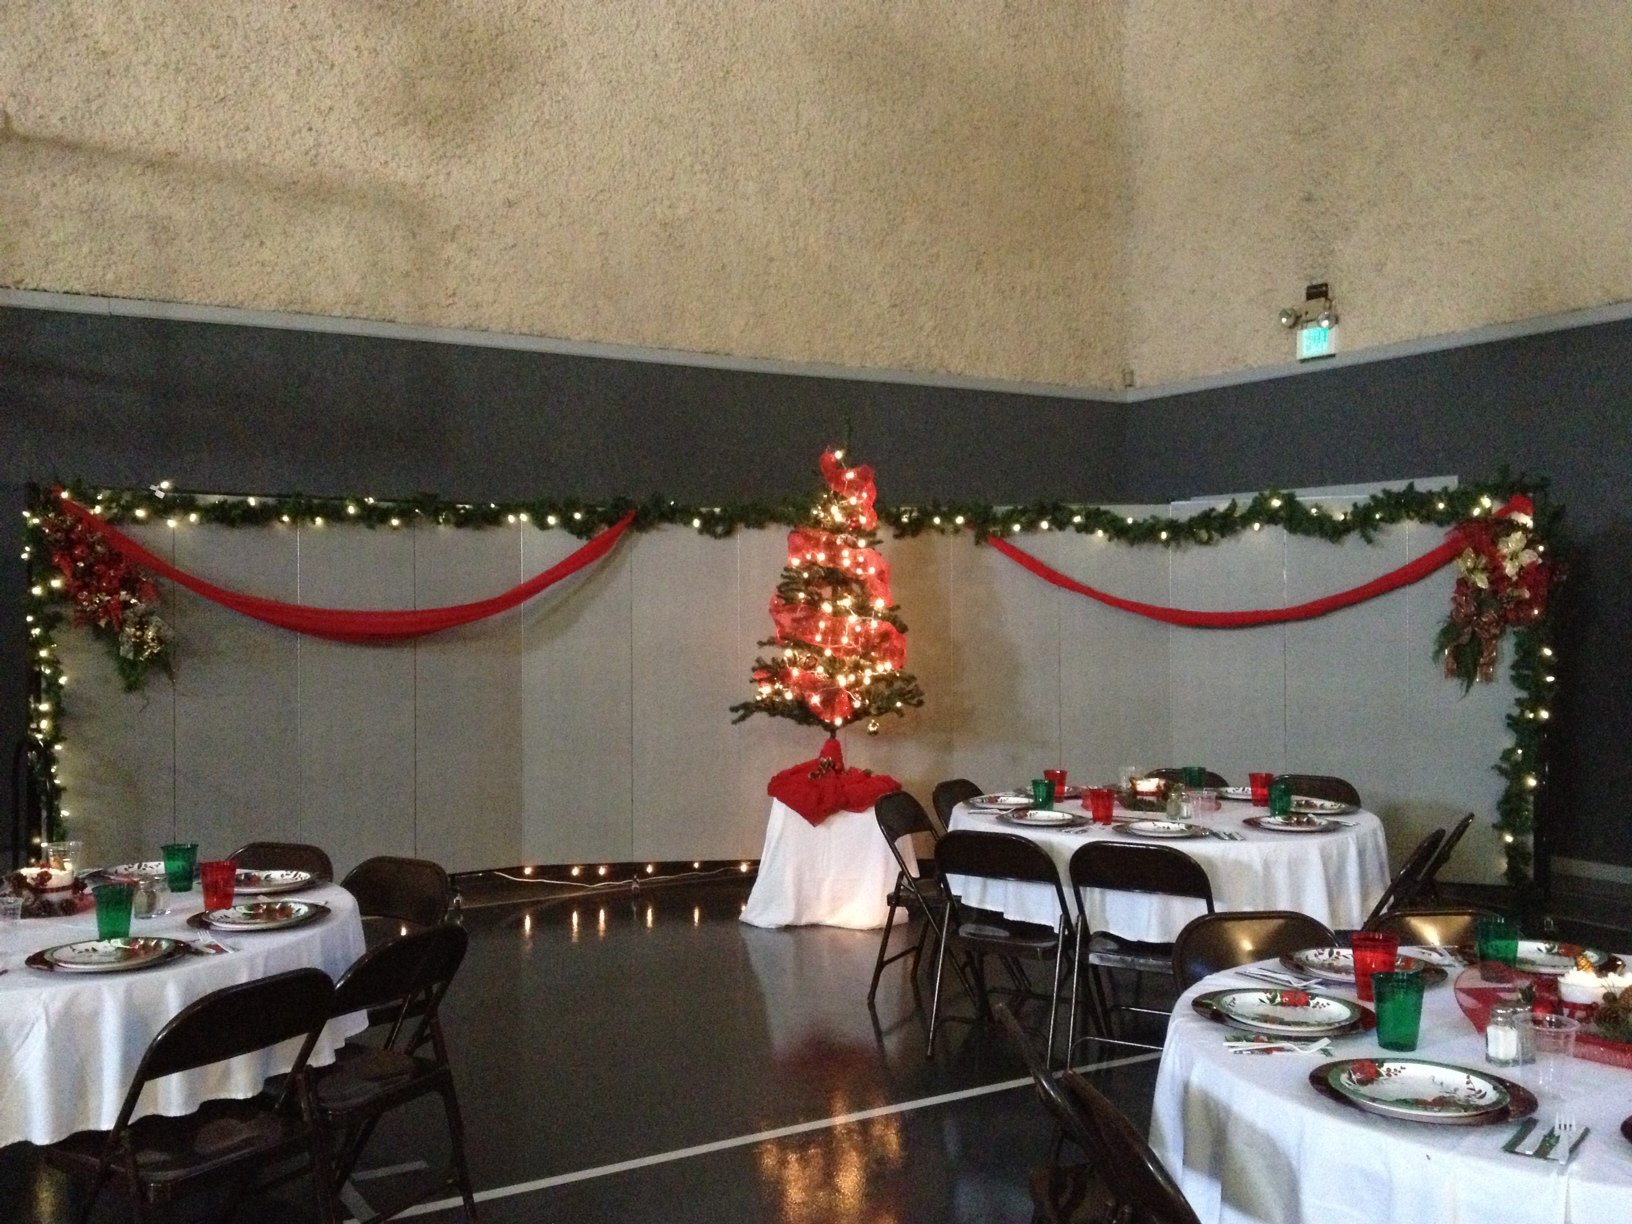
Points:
(113, 902)
(1280, 798)
(180, 858)
(1399, 1009)
(1498, 939)
(1042, 794)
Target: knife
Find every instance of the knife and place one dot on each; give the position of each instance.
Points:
(1519, 1136)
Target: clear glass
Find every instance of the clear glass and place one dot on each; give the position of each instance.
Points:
(1555, 1053)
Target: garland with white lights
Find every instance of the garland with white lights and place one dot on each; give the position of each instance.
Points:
(1522, 763)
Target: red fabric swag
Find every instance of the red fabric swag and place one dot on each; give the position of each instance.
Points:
(818, 788)
(344, 624)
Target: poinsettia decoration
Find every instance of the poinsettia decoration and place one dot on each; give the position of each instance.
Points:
(1503, 581)
(116, 599)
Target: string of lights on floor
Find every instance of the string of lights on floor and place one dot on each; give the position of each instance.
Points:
(1522, 762)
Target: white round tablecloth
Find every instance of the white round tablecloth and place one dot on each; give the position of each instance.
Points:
(70, 1042)
(838, 873)
(1251, 1142)
(1336, 877)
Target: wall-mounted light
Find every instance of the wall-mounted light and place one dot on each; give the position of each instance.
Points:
(1315, 322)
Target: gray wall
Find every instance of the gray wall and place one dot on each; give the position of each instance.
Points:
(125, 401)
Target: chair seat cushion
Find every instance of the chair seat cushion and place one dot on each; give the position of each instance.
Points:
(1115, 952)
(993, 933)
(361, 1074)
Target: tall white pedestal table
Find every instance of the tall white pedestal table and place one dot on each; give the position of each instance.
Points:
(837, 873)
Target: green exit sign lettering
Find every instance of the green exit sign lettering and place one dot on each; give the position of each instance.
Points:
(1316, 342)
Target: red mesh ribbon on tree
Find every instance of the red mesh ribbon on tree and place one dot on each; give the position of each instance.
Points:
(344, 624)
(1457, 540)
(816, 789)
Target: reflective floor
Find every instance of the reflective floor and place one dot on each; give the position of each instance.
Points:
(647, 1057)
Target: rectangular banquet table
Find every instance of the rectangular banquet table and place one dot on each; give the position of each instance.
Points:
(1336, 876)
(1251, 1142)
(70, 1042)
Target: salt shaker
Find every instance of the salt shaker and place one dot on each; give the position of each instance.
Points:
(1507, 1036)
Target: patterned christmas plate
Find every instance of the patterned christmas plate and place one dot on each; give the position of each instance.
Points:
(1039, 819)
(1420, 1091)
(1285, 1013)
(253, 881)
(1162, 828)
(1241, 794)
(1292, 824)
(1541, 956)
(1304, 806)
(1336, 965)
(107, 955)
(262, 915)
(1001, 801)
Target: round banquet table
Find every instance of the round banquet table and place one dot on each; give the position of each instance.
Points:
(836, 873)
(1336, 876)
(1249, 1140)
(70, 1042)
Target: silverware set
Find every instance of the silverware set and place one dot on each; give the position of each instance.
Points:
(1558, 1143)
(1289, 981)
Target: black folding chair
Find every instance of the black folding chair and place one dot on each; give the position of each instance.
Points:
(396, 896)
(1429, 888)
(156, 1159)
(899, 815)
(406, 977)
(1321, 786)
(1403, 889)
(947, 795)
(1142, 1188)
(1111, 866)
(284, 856)
(979, 933)
(1213, 943)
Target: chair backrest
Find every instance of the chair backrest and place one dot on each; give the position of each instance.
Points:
(1127, 867)
(1060, 1106)
(900, 815)
(1430, 873)
(237, 1020)
(1135, 1176)
(407, 889)
(1176, 774)
(1435, 928)
(998, 856)
(1407, 881)
(284, 856)
(1321, 786)
(947, 795)
(1215, 942)
(409, 973)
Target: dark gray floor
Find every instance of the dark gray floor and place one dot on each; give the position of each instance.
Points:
(587, 1033)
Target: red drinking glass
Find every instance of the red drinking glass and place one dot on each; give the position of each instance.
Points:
(1260, 788)
(218, 878)
(1101, 799)
(1374, 952)
(1056, 776)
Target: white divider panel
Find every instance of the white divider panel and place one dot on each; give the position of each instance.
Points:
(235, 693)
(467, 720)
(356, 703)
(593, 724)
(577, 709)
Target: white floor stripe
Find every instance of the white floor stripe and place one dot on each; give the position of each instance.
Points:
(390, 1170)
(781, 1132)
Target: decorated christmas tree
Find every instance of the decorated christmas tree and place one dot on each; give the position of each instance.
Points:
(841, 641)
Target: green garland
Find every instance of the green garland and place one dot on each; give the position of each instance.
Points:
(1522, 764)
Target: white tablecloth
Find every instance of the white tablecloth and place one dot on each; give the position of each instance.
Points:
(70, 1042)
(838, 873)
(1248, 1139)
(1335, 877)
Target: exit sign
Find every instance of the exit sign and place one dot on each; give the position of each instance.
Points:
(1316, 341)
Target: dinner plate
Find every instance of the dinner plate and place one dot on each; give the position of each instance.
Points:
(1305, 806)
(263, 915)
(1336, 965)
(1241, 794)
(108, 955)
(1001, 801)
(1542, 956)
(130, 869)
(1420, 1091)
(1280, 824)
(1286, 1013)
(1039, 819)
(258, 881)
(1162, 828)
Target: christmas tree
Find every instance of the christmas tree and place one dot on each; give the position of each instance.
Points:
(842, 640)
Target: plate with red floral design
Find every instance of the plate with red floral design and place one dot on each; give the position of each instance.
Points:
(1421, 1091)
(1285, 1013)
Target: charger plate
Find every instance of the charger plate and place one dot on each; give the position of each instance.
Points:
(1172, 829)
(1240, 794)
(1306, 806)
(1280, 824)
(1038, 819)
(1417, 1090)
(249, 879)
(105, 955)
(1336, 965)
(1002, 800)
(1552, 959)
(1284, 1013)
(259, 916)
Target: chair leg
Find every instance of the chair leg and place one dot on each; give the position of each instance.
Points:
(883, 947)
(935, 999)
(456, 1132)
